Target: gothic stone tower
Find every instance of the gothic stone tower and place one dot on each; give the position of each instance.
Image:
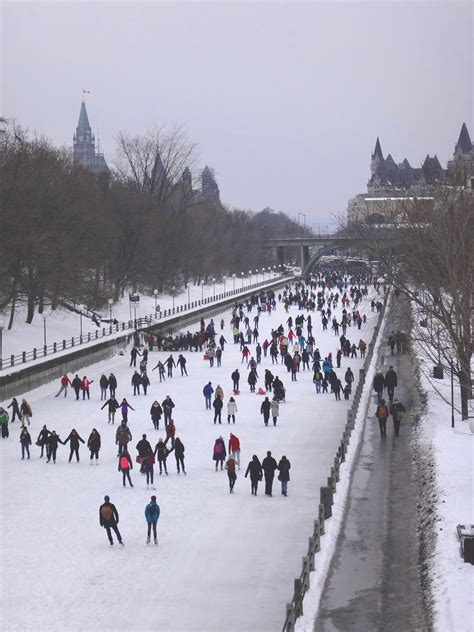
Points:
(84, 152)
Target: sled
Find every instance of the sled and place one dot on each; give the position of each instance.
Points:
(236, 392)
(206, 357)
(261, 391)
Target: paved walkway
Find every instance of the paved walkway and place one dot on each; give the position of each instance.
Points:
(373, 583)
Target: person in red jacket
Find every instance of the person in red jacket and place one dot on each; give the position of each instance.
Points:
(85, 384)
(65, 382)
(234, 448)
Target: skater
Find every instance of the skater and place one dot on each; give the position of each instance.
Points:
(235, 377)
(161, 371)
(269, 377)
(15, 409)
(161, 453)
(275, 410)
(145, 381)
(125, 465)
(182, 364)
(231, 473)
(207, 392)
(269, 465)
(219, 453)
(65, 382)
(42, 440)
(178, 448)
(124, 408)
(217, 405)
(133, 356)
(52, 446)
(252, 380)
(170, 363)
(234, 448)
(112, 384)
(382, 413)
(155, 413)
(93, 443)
(148, 465)
(167, 405)
(170, 432)
(254, 468)
(26, 412)
(76, 385)
(104, 385)
(25, 441)
(284, 476)
(265, 409)
(136, 382)
(85, 385)
(231, 410)
(4, 417)
(122, 437)
(397, 410)
(143, 448)
(112, 404)
(74, 440)
(109, 518)
(152, 513)
(391, 381)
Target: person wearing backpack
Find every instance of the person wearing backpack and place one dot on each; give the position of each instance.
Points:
(382, 414)
(152, 513)
(124, 466)
(108, 519)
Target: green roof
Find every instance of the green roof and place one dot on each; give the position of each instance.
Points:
(83, 124)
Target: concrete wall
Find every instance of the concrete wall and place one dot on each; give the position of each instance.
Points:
(17, 383)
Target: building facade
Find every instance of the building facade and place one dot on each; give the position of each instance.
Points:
(84, 149)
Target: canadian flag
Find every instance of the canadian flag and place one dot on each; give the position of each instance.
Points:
(86, 91)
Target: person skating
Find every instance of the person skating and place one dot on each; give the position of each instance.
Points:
(109, 519)
(26, 413)
(378, 385)
(219, 452)
(143, 448)
(136, 383)
(124, 408)
(170, 432)
(382, 414)
(231, 473)
(155, 413)
(125, 465)
(254, 468)
(161, 371)
(265, 409)
(234, 448)
(284, 474)
(269, 465)
(104, 385)
(51, 450)
(145, 382)
(133, 357)
(275, 410)
(231, 410)
(218, 405)
(167, 405)
(76, 385)
(93, 443)
(85, 385)
(112, 384)
(207, 392)
(25, 442)
(252, 380)
(65, 382)
(397, 410)
(73, 438)
(113, 405)
(148, 467)
(4, 417)
(235, 377)
(170, 363)
(152, 513)
(42, 440)
(269, 377)
(161, 453)
(178, 448)
(182, 364)
(391, 381)
(122, 437)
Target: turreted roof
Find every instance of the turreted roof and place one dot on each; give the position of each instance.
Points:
(378, 150)
(464, 142)
(83, 124)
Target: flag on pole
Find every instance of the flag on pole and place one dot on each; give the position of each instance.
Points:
(86, 91)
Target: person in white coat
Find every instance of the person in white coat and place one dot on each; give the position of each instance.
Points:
(231, 410)
(275, 410)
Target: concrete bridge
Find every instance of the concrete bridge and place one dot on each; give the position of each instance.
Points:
(313, 248)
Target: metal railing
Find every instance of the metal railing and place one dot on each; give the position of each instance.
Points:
(46, 351)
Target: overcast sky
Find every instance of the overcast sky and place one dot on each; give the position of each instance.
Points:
(285, 99)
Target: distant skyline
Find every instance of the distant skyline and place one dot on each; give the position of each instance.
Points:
(285, 100)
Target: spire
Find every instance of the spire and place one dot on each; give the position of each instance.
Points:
(83, 124)
(378, 150)
(464, 145)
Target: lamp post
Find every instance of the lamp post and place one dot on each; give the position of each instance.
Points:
(2, 325)
(256, 272)
(223, 278)
(233, 281)
(189, 298)
(452, 391)
(110, 314)
(250, 275)
(173, 289)
(155, 294)
(242, 277)
(44, 328)
(202, 290)
(214, 285)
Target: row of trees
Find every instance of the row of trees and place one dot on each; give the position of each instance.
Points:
(68, 235)
(428, 253)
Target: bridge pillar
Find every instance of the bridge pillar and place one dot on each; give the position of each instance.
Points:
(280, 255)
(304, 257)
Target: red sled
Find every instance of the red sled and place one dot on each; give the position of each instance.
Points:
(236, 392)
(206, 357)
(260, 391)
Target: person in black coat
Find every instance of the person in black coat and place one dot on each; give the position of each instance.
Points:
(109, 518)
(284, 476)
(145, 381)
(218, 404)
(378, 384)
(144, 449)
(15, 409)
(77, 385)
(397, 410)
(52, 447)
(265, 409)
(112, 384)
(104, 385)
(252, 380)
(268, 380)
(269, 465)
(155, 413)
(254, 468)
(178, 448)
(182, 364)
(73, 439)
(133, 356)
(136, 382)
(113, 404)
(93, 443)
(167, 405)
(235, 376)
(42, 441)
(391, 381)
(25, 441)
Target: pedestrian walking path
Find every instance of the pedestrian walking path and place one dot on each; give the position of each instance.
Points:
(373, 583)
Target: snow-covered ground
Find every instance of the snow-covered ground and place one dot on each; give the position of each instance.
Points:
(452, 455)
(224, 561)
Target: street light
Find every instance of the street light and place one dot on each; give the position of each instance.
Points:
(223, 278)
(256, 271)
(202, 290)
(250, 275)
(2, 325)
(44, 328)
(189, 299)
(233, 281)
(173, 290)
(110, 314)
(242, 276)
(155, 294)
(214, 285)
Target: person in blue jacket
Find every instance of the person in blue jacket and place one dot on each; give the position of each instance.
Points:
(207, 392)
(152, 513)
